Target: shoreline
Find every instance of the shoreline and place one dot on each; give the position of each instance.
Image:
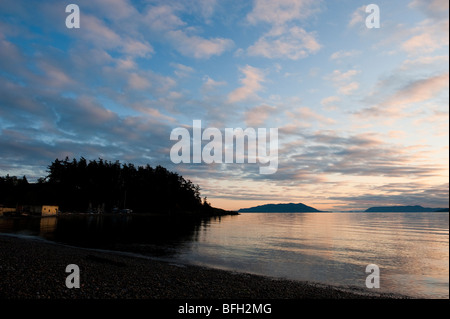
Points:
(35, 269)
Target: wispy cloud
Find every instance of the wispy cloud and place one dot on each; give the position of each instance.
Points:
(428, 37)
(437, 9)
(281, 42)
(210, 84)
(358, 17)
(285, 39)
(282, 11)
(257, 116)
(417, 91)
(343, 81)
(198, 47)
(251, 83)
(304, 116)
(330, 102)
(182, 70)
(342, 54)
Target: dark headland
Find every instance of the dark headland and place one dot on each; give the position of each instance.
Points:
(104, 187)
(280, 208)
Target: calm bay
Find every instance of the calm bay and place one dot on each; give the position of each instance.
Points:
(410, 249)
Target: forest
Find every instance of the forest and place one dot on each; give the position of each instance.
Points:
(100, 186)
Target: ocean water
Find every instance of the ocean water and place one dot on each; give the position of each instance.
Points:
(411, 250)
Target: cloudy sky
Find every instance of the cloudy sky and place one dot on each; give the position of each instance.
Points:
(362, 114)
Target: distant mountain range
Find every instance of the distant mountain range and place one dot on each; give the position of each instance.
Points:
(404, 209)
(280, 208)
(302, 208)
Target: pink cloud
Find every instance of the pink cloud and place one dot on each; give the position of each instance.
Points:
(251, 84)
(416, 92)
(198, 47)
(138, 82)
(293, 43)
(281, 11)
(256, 116)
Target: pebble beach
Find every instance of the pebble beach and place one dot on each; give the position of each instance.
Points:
(35, 269)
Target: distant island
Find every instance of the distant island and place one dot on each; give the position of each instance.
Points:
(302, 208)
(404, 209)
(280, 208)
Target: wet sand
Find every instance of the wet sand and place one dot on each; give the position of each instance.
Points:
(35, 269)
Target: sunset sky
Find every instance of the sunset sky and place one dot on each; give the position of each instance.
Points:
(362, 114)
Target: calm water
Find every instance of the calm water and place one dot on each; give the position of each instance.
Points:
(411, 249)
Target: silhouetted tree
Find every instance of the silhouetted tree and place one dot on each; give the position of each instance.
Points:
(76, 185)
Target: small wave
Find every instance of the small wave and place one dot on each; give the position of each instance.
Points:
(116, 252)
(26, 236)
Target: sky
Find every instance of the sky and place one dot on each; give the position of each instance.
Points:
(362, 113)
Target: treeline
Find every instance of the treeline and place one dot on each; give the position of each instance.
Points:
(104, 186)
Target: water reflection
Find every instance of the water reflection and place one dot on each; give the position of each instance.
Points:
(334, 248)
(150, 235)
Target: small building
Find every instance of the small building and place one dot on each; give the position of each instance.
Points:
(29, 210)
(6, 210)
(49, 210)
